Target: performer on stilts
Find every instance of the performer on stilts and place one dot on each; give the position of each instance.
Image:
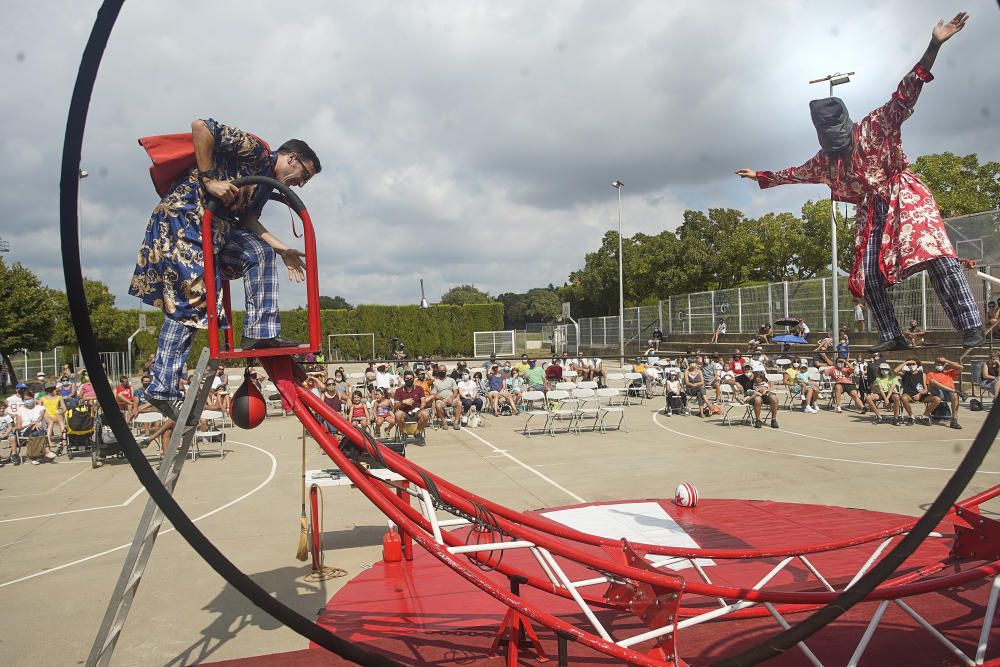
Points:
(170, 271)
(898, 227)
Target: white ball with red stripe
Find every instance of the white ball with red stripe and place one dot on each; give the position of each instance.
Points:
(686, 495)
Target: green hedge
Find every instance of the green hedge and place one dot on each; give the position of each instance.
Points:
(436, 331)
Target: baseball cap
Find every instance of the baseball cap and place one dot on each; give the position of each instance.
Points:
(40, 375)
(885, 366)
(21, 385)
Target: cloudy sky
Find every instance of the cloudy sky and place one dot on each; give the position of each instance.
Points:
(468, 141)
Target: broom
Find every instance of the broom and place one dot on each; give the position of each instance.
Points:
(302, 553)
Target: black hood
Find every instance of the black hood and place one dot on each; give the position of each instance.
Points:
(834, 126)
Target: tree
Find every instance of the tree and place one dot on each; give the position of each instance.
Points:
(463, 294)
(960, 184)
(27, 313)
(537, 305)
(112, 326)
(334, 303)
(816, 255)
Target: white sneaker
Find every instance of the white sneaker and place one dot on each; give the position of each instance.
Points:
(810, 409)
(35, 462)
(50, 455)
(839, 409)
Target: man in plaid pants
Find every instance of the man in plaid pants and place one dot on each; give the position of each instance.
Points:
(169, 272)
(898, 227)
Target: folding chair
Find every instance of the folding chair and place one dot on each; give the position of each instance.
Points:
(587, 405)
(556, 410)
(635, 386)
(529, 399)
(609, 408)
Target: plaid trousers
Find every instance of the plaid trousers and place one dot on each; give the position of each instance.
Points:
(946, 276)
(244, 255)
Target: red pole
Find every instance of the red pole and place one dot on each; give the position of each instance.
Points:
(210, 303)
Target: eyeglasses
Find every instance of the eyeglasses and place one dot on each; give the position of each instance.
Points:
(305, 170)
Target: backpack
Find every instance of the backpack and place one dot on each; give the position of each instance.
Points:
(80, 420)
(173, 157)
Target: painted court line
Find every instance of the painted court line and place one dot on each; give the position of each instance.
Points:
(85, 509)
(270, 476)
(524, 465)
(810, 456)
(873, 442)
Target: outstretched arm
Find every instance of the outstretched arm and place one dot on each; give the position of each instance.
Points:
(941, 33)
(813, 171)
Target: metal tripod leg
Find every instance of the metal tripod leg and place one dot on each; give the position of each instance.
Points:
(152, 518)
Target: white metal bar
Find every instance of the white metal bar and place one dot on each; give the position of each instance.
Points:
(492, 546)
(867, 636)
(988, 278)
(812, 568)
(784, 626)
(871, 559)
(453, 522)
(545, 567)
(984, 635)
(431, 515)
(935, 633)
(591, 582)
(576, 596)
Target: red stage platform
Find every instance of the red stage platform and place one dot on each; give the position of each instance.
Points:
(422, 613)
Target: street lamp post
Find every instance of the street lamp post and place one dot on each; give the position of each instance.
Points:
(835, 79)
(618, 185)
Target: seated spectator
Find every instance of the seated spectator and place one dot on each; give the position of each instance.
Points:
(15, 401)
(820, 356)
(885, 389)
(712, 371)
(522, 366)
(764, 332)
(358, 411)
(424, 380)
(942, 379)
(445, 391)
(674, 392)
(553, 373)
(596, 366)
(694, 386)
(737, 363)
(409, 402)
(843, 348)
(382, 412)
(989, 372)
(340, 386)
(220, 389)
(124, 395)
(331, 396)
(534, 377)
(468, 393)
(992, 315)
(383, 378)
(914, 334)
(54, 410)
(490, 363)
(497, 385)
(655, 338)
(760, 393)
(7, 438)
(913, 387)
(802, 329)
(515, 386)
(720, 330)
(843, 382)
(31, 424)
(67, 391)
(584, 367)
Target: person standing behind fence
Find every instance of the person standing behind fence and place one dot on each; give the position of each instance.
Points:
(859, 316)
(899, 230)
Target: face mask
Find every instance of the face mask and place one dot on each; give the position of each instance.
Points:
(908, 368)
(408, 382)
(30, 403)
(939, 367)
(465, 377)
(885, 372)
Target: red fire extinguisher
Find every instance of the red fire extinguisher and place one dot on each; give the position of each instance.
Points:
(392, 546)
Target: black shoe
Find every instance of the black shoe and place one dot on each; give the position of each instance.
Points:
(897, 343)
(924, 420)
(877, 420)
(973, 337)
(864, 409)
(248, 343)
(896, 421)
(169, 409)
(774, 423)
(954, 424)
(758, 423)
(908, 421)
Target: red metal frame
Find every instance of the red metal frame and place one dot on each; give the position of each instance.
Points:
(312, 293)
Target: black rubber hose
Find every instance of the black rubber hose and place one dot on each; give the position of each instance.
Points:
(68, 192)
(809, 626)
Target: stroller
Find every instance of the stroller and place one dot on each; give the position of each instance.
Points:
(80, 421)
(105, 445)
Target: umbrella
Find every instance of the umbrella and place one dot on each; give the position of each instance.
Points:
(789, 338)
(786, 321)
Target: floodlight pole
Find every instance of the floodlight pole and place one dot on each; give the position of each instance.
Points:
(835, 79)
(618, 185)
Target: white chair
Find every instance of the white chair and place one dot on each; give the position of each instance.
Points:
(587, 384)
(611, 406)
(557, 399)
(587, 406)
(272, 400)
(211, 436)
(635, 386)
(777, 381)
(529, 399)
(569, 375)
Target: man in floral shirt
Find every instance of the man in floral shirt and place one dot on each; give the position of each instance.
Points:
(898, 228)
(170, 270)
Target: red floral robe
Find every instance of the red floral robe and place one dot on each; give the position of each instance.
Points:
(913, 233)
